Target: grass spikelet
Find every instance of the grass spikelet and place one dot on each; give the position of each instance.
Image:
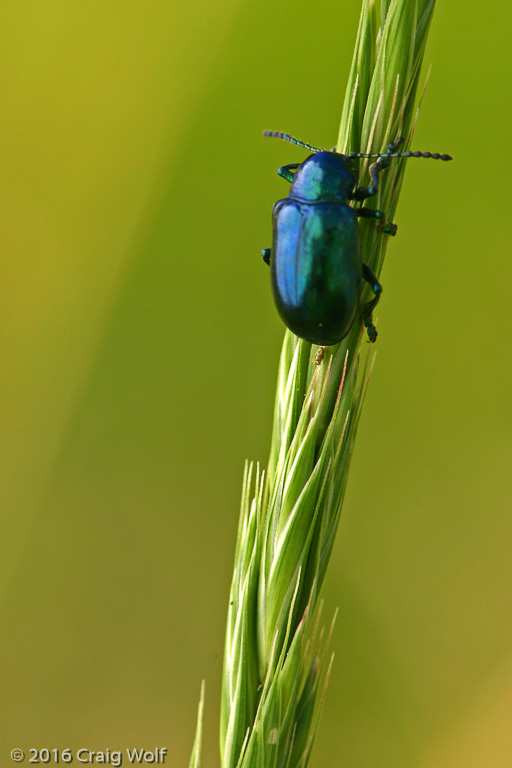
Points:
(275, 656)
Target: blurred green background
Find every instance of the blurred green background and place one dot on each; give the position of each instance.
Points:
(139, 353)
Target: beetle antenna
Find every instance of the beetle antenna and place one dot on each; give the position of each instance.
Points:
(391, 155)
(356, 155)
(293, 140)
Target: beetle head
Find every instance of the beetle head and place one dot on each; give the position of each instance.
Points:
(324, 177)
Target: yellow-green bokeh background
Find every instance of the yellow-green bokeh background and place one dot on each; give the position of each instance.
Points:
(139, 352)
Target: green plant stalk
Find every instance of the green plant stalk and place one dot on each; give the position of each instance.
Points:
(275, 653)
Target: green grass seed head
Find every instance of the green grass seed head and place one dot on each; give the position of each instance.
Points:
(275, 662)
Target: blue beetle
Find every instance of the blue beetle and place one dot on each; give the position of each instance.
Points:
(315, 260)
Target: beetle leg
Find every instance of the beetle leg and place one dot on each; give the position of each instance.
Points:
(266, 255)
(288, 171)
(371, 213)
(361, 193)
(370, 306)
(388, 228)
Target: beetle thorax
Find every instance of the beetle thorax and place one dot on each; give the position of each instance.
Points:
(323, 177)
